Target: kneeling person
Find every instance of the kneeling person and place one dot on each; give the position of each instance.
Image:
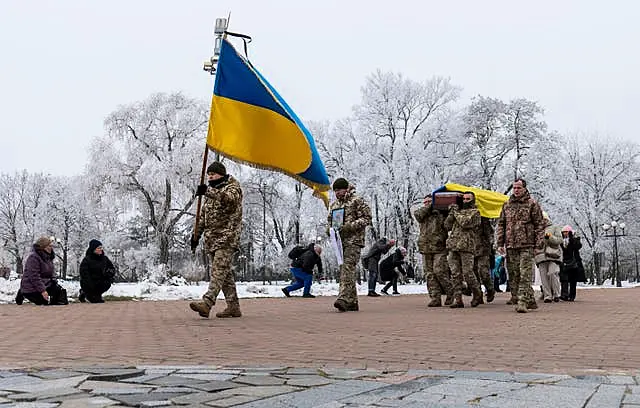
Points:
(96, 273)
(302, 269)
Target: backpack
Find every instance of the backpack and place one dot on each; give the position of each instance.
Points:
(296, 252)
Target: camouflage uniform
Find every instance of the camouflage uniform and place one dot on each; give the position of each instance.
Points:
(482, 264)
(221, 222)
(463, 224)
(432, 246)
(521, 229)
(357, 216)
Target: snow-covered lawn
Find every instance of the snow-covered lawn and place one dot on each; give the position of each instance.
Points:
(150, 291)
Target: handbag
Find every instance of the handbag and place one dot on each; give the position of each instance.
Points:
(553, 253)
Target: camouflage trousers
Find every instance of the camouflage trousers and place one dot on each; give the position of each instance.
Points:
(222, 279)
(520, 268)
(461, 264)
(481, 271)
(348, 292)
(436, 273)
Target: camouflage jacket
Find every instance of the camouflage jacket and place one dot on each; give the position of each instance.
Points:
(221, 216)
(463, 225)
(484, 237)
(521, 224)
(357, 216)
(433, 234)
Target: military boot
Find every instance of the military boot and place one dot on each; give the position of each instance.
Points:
(477, 298)
(449, 300)
(513, 300)
(521, 307)
(491, 294)
(457, 302)
(232, 310)
(533, 305)
(435, 302)
(201, 307)
(353, 307)
(341, 305)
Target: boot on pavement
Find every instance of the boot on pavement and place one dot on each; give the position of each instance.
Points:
(457, 302)
(435, 302)
(201, 307)
(477, 298)
(513, 300)
(448, 300)
(232, 310)
(491, 294)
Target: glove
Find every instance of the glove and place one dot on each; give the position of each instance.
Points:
(202, 190)
(194, 243)
(453, 207)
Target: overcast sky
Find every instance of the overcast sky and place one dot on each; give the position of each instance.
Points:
(66, 64)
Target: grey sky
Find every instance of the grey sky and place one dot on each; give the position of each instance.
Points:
(66, 64)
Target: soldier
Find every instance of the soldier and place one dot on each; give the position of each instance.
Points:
(356, 216)
(482, 263)
(432, 246)
(463, 223)
(221, 222)
(520, 229)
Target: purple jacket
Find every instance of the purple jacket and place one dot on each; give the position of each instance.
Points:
(38, 272)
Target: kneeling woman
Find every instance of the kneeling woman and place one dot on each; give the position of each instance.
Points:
(38, 284)
(96, 273)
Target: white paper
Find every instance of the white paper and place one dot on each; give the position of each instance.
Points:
(336, 244)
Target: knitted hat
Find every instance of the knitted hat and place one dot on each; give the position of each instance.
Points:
(43, 242)
(217, 168)
(567, 228)
(340, 184)
(93, 244)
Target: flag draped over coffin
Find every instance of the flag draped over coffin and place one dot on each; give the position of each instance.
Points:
(252, 124)
(488, 202)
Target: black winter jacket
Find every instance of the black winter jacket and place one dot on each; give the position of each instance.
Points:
(308, 260)
(95, 270)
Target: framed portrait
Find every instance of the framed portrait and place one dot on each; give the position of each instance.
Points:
(337, 218)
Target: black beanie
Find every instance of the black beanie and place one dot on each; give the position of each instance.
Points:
(340, 184)
(217, 168)
(93, 244)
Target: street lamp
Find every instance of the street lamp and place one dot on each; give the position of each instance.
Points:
(612, 231)
(243, 260)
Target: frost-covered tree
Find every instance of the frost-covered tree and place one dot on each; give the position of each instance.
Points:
(151, 153)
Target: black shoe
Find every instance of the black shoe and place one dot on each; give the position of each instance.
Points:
(564, 298)
(547, 301)
(286, 292)
(82, 297)
(384, 292)
(19, 297)
(373, 294)
(556, 299)
(396, 293)
(308, 295)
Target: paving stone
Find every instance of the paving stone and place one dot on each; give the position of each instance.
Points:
(93, 402)
(164, 403)
(501, 402)
(143, 378)
(633, 398)
(45, 394)
(308, 380)
(171, 368)
(34, 405)
(138, 399)
(10, 373)
(432, 373)
(55, 374)
(598, 379)
(195, 398)
(621, 380)
(211, 370)
(109, 385)
(303, 371)
(480, 375)
(544, 393)
(316, 396)
(117, 375)
(175, 390)
(231, 401)
(607, 396)
(346, 374)
(35, 384)
(207, 377)
(214, 386)
(175, 381)
(531, 377)
(263, 391)
(259, 380)
(4, 400)
(577, 383)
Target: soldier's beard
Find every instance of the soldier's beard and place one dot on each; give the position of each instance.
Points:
(467, 205)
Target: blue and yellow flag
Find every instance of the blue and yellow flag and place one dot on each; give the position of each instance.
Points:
(252, 124)
(489, 202)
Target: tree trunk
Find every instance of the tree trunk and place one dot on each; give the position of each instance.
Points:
(19, 265)
(163, 244)
(65, 262)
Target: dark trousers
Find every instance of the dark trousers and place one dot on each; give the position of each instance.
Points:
(393, 282)
(94, 293)
(57, 296)
(496, 284)
(568, 290)
(372, 267)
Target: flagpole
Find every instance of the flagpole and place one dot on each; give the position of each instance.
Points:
(210, 66)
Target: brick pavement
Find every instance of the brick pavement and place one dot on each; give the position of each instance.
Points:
(598, 332)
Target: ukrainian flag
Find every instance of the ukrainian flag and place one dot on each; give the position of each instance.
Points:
(252, 124)
(488, 202)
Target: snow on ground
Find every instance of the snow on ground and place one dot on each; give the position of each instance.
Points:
(150, 291)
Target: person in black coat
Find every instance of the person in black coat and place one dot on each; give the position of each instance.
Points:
(572, 270)
(304, 259)
(391, 268)
(96, 273)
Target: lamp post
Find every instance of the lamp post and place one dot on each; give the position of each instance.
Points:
(615, 230)
(243, 265)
